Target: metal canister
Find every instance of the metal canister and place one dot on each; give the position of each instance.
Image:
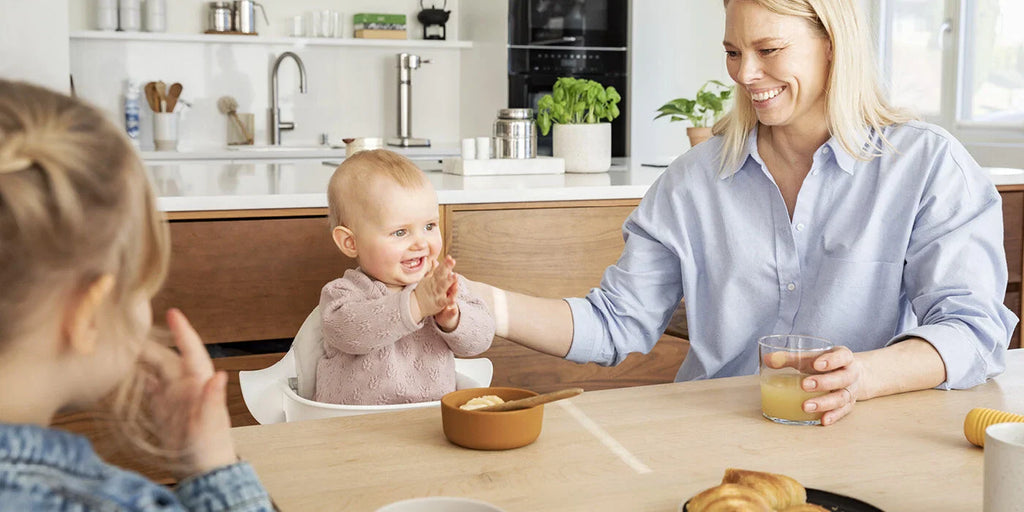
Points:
(219, 17)
(515, 134)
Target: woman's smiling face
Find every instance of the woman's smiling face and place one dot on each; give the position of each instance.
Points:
(780, 61)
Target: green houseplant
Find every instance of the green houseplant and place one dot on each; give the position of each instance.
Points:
(702, 111)
(579, 112)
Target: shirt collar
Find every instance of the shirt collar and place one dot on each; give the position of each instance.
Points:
(844, 159)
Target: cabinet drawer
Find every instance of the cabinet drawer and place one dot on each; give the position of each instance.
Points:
(249, 279)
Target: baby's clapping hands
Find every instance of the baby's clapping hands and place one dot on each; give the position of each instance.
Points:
(435, 295)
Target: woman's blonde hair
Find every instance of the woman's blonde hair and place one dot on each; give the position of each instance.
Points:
(350, 183)
(75, 204)
(856, 106)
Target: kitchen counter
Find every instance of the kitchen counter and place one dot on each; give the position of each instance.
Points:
(263, 152)
(273, 183)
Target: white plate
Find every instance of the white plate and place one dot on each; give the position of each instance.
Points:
(439, 504)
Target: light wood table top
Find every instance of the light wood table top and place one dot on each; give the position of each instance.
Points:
(640, 449)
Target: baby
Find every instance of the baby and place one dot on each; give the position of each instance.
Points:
(393, 326)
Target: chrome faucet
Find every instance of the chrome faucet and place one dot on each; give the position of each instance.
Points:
(276, 124)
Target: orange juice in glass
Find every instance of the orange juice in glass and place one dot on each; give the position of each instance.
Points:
(785, 359)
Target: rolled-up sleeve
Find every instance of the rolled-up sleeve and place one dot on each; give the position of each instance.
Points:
(955, 273)
(638, 294)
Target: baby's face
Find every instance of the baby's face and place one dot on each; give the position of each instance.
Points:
(398, 243)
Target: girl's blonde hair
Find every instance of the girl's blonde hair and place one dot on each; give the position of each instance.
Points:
(75, 204)
(350, 183)
(856, 107)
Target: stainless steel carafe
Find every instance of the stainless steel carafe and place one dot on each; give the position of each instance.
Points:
(515, 134)
(245, 16)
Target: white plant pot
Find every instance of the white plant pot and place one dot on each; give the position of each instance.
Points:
(584, 147)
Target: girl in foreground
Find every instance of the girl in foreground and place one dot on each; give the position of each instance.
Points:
(82, 252)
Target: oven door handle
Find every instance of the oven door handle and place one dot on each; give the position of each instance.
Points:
(564, 39)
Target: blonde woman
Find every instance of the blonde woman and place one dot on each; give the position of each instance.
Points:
(817, 208)
(82, 252)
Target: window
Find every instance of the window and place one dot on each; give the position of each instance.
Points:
(957, 63)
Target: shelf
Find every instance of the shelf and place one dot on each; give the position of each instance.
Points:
(163, 37)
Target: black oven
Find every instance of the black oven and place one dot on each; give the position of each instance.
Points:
(549, 39)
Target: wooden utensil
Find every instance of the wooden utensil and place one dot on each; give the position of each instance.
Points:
(229, 106)
(152, 96)
(172, 96)
(533, 401)
(161, 92)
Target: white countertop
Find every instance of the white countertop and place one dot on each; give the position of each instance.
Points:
(218, 185)
(258, 152)
(197, 185)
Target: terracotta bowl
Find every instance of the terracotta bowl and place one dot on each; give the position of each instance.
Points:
(490, 430)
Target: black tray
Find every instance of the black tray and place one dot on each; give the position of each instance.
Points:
(834, 502)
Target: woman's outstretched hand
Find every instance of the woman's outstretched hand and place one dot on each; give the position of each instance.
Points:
(188, 400)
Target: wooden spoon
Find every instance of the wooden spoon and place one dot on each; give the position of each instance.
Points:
(172, 96)
(152, 97)
(533, 401)
(161, 92)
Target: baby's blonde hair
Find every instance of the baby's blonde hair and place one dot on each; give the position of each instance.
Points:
(75, 204)
(348, 191)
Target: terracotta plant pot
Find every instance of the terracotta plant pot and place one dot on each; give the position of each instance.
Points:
(698, 135)
(585, 147)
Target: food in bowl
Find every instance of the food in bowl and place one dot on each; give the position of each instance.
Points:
(486, 430)
(480, 402)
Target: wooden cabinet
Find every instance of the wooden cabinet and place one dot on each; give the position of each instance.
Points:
(1013, 243)
(551, 250)
(247, 278)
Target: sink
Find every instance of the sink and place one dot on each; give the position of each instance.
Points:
(281, 148)
(1004, 171)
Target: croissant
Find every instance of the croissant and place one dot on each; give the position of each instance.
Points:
(781, 491)
(728, 498)
(805, 507)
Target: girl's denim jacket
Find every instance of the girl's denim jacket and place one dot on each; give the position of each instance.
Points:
(48, 469)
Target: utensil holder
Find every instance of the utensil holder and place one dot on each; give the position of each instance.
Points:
(165, 131)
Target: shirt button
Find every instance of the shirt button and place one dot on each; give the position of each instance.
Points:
(791, 287)
(814, 172)
(824, 150)
(800, 226)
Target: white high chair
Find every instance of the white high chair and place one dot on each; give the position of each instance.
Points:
(283, 391)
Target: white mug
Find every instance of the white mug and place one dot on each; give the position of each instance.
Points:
(1004, 467)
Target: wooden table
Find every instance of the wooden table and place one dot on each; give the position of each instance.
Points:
(640, 449)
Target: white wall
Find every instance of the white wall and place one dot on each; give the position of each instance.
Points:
(675, 47)
(352, 91)
(484, 70)
(33, 42)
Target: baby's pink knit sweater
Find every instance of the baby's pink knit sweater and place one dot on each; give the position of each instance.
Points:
(375, 354)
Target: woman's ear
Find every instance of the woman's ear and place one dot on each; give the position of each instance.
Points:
(345, 240)
(81, 322)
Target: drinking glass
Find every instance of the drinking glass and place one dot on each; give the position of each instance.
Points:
(784, 361)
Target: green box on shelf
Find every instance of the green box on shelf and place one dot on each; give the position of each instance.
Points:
(382, 19)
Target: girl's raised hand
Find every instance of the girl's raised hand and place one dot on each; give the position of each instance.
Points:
(188, 400)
